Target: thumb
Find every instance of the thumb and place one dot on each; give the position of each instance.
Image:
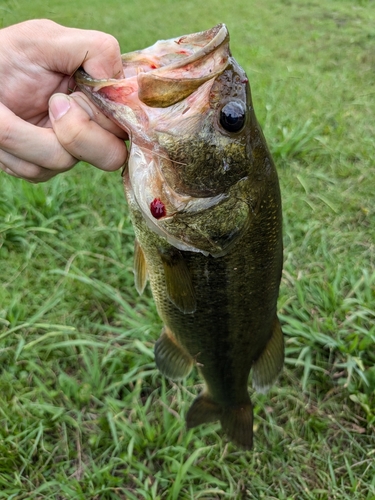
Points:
(59, 105)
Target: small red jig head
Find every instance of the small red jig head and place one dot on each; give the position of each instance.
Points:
(157, 208)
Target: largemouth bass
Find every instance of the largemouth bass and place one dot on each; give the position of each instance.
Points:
(205, 203)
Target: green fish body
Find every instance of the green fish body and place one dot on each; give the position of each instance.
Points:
(205, 203)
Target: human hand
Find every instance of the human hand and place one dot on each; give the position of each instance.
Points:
(41, 135)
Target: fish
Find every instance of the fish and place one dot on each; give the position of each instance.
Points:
(204, 200)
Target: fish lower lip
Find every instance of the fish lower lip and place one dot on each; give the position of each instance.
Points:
(169, 84)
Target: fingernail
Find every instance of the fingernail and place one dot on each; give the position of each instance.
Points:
(59, 105)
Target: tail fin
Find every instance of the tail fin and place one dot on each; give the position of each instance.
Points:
(202, 411)
(236, 421)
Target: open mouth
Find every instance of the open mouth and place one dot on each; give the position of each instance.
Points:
(163, 74)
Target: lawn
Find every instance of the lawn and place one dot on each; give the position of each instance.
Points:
(84, 413)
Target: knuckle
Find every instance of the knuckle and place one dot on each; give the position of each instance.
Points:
(42, 174)
(108, 44)
(39, 174)
(116, 157)
(35, 174)
(6, 135)
(59, 160)
(71, 136)
(71, 141)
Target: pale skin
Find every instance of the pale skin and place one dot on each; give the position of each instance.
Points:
(45, 128)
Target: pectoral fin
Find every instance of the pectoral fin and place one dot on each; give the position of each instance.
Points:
(268, 366)
(140, 268)
(178, 281)
(171, 358)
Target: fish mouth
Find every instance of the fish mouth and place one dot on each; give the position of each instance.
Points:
(165, 73)
(202, 56)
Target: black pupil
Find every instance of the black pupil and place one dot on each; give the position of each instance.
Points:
(232, 116)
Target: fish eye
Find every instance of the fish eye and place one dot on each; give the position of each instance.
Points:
(233, 116)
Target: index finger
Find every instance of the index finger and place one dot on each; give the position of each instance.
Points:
(64, 49)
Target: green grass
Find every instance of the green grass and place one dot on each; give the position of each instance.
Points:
(84, 414)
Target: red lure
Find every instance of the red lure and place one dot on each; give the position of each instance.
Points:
(157, 208)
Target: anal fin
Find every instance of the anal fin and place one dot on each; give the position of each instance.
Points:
(140, 268)
(268, 366)
(172, 359)
(178, 281)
